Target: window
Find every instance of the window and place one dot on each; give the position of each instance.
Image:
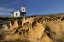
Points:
(23, 9)
(16, 14)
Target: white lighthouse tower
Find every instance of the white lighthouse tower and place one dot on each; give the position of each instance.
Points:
(23, 9)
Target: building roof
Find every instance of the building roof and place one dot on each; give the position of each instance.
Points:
(23, 5)
(16, 10)
(19, 11)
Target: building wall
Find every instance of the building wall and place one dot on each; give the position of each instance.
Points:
(21, 14)
(23, 9)
(16, 14)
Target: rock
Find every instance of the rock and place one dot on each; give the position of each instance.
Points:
(34, 29)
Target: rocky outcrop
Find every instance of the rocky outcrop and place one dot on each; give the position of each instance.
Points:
(34, 29)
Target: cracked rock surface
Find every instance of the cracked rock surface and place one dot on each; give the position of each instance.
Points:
(34, 28)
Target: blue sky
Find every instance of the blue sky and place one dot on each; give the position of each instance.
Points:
(32, 6)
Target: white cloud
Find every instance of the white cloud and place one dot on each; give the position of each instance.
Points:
(12, 3)
(5, 14)
(5, 11)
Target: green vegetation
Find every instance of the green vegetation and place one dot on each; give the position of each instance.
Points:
(50, 15)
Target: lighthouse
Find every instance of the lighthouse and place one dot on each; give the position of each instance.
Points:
(23, 9)
(21, 13)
